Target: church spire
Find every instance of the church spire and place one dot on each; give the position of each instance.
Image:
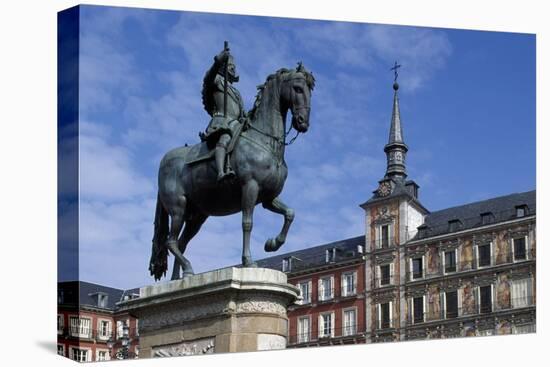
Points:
(396, 149)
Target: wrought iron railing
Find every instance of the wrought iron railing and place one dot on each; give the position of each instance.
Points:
(351, 331)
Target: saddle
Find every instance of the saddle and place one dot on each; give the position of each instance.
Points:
(201, 152)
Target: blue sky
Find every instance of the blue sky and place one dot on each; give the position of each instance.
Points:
(467, 104)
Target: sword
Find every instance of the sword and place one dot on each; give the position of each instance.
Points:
(225, 48)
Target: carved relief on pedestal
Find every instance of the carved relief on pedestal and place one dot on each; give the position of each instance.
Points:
(261, 306)
(188, 348)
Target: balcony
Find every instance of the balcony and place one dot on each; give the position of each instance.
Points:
(462, 266)
(475, 309)
(331, 336)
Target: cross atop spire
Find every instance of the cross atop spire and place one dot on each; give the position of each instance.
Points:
(396, 74)
(396, 149)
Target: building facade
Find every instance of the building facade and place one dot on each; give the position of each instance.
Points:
(89, 327)
(468, 270)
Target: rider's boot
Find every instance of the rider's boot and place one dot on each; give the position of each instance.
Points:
(219, 155)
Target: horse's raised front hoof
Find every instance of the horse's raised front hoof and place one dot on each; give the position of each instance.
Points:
(271, 245)
(248, 263)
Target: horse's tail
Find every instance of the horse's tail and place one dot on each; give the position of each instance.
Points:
(159, 253)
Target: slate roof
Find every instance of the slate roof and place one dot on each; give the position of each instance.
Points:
(86, 290)
(401, 189)
(313, 257)
(502, 208)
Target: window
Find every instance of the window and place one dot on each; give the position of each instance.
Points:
(449, 261)
(385, 315)
(454, 225)
(521, 211)
(61, 350)
(451, 304)
(384, 274)
(417, 269)
(326, 325)
(305, 292)
(486, 299)
(102, 300)
(60, 324)
(350, 324)
(520, 249)
(418, 309)
(80, 355)
(348, 284)
(484, 255)
(487, 218)
(330, 255)
(326, 286)
(303, 329)
(524, 329)
(120, 328)
(385, 236)
(104, 329)
(80, 327)
(286, 264)
(102, 355)
(522, 293)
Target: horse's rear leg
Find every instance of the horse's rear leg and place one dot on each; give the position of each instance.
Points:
(277, 206)
(176, 223)
(249, 197)
(192, 227)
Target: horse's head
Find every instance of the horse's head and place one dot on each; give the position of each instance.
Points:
(295, 94)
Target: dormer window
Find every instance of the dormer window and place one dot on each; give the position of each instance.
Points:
(423, 231)
(330, 255)
(102, 300)
(487, 218)
(454, 225)
(521, 211)
(287, 264)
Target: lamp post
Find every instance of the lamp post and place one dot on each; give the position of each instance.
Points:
(124, 351)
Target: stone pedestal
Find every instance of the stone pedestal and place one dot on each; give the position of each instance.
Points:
(226, 310)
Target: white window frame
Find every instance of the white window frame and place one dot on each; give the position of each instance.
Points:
(60, 325)
(321, 288)
(79, 325)
(109, 329)
(353, 326)
(529, 290)
(442, 254)
(531, 326)
(478, 298)
(491, 252)
(303, 336)
(107, 356)
(321, 324)
(378, 233)
(423, 257)
(63, 348)
(343, 283)
(330, 255)
(424, 310)
(303, 300)
(80, 348)
(286, 265)
(526, 249)
(379, 314)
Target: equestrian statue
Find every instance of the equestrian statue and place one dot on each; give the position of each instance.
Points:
(238, 165)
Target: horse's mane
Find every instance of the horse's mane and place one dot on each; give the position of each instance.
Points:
(310, 81)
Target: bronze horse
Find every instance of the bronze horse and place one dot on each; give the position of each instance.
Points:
(188, 193)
